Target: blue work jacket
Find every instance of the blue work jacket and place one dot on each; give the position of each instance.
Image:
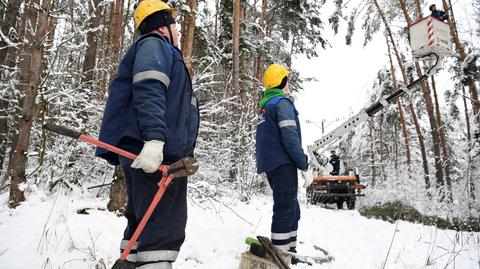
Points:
(279, 139)
(151, 98)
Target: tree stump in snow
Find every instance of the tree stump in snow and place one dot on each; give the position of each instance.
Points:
(118, 192)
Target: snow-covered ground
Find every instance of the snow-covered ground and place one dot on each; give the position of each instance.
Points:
(46, 232)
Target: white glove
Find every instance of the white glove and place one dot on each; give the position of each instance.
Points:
(150, 157)
(308, 177)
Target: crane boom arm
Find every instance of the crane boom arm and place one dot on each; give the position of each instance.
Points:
(365, 114)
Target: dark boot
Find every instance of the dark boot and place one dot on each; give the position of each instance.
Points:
(123, 264)
(296, 260)
(258, 250)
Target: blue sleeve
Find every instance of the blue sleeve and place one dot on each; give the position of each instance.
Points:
(286, 120)
(151, 78)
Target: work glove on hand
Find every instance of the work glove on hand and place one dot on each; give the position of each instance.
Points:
(150, 157)
(307, 177)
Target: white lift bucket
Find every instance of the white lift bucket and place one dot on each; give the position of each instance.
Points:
(430, 35)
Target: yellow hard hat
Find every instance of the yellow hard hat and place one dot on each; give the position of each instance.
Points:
(147, 7)
(274, 75)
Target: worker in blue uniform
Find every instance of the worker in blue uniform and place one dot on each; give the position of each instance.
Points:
(279, 154)
(335, 162)
(152, 111)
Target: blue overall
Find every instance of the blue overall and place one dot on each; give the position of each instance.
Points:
(279, 154)
(151, 98)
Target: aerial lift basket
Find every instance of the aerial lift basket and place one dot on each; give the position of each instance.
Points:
(430, 35)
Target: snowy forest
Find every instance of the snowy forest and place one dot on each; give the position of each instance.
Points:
(58, 58)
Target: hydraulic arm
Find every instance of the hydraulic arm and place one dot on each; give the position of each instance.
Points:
(315, 150)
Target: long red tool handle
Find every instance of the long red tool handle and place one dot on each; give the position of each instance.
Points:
(76, 135)
(163, 184)
(162, 187)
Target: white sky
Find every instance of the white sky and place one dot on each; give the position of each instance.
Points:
(345, 74)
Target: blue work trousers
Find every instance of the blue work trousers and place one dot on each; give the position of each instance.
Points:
(286, 211)
(164, 233)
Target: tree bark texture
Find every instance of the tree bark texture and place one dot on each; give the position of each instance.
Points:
(9, 23)
(118, 192)
(90, 58)
(188, 32)
(30, 74)
(236, 48)
(117, 32)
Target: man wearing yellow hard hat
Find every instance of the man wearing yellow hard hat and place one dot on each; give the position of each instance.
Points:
(152, 111)
(280, 154)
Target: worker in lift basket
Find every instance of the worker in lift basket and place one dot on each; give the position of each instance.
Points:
(279, 154)
(439, 14)
(151, 111)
